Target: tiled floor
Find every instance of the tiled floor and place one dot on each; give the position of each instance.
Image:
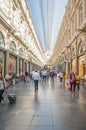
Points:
(52, 108)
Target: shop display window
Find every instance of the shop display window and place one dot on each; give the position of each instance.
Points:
(12, 64)
(81, 66)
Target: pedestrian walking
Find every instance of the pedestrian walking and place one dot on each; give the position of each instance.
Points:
(44, 74)
(61, 76)
(26, 78)
(36, 78)
(52, 76)
(14, 77)
(2, 87)
(72, 82)
(58, 76)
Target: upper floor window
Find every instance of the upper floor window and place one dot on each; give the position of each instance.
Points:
(1, 39)
(80, 14)
(13, 46)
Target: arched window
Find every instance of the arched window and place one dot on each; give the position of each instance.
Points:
(81, 48)
(13, 46)
(2, 43)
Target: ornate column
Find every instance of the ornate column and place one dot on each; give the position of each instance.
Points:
(85, 58)
(67, 60)
(17, 65)
(27, 66)
(30, 65)
(7, 54)
(76, 58)
(23, 65)
(85, 51)
(67, 68)
(70, 59)
(7, 64)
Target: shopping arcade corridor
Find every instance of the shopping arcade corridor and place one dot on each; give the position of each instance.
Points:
(52, 108)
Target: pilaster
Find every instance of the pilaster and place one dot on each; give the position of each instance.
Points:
(7, 64)
(17, 65)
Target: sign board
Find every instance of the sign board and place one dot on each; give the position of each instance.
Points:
(57, 68)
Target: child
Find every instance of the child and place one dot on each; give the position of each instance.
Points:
(77, 82)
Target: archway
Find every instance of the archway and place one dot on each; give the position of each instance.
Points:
(2, 42)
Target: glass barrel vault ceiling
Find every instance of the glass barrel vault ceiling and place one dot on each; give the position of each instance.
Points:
(47, 16)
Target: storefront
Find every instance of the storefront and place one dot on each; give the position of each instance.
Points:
(2, 59)
(82, 62)
(12, 64)
(81, 66)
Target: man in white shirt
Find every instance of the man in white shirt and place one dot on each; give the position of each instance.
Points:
(36, 78)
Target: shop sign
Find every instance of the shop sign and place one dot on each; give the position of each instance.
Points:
(57, 68)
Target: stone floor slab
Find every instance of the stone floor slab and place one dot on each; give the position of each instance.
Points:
(52, 108)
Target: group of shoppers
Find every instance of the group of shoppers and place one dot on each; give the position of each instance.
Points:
(73, 80)
(60, 76)
(44, 74)
(37, 75)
